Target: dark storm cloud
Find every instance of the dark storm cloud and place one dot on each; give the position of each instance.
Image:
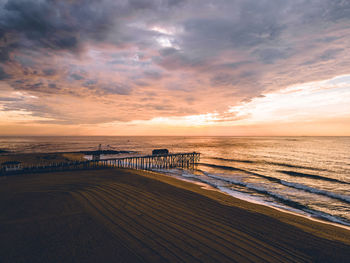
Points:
(66, 25)
(54, 24)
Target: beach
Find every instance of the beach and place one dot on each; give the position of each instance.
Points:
(123, 215)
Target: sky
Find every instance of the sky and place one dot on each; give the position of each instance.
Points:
(175, 67)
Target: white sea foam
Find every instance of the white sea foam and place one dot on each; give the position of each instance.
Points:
(292, 205)
(317, 191)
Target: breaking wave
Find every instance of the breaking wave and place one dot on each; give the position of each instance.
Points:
(313, 176)
(266, 162)
(290, 173)
(281, 199)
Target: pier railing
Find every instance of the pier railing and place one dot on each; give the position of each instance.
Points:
(146, 162)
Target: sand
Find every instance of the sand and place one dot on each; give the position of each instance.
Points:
(41, 158)
(121, 215)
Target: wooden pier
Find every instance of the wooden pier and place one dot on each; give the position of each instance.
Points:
(146, 162)
(162, 161)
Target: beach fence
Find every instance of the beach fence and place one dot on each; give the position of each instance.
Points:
(146, 162)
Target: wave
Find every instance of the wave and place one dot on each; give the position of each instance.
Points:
(222, 167)
(231, 160)
(273, 179)
(302, 187)
(240, 183)
(313, 176)
(282, 200)
(286, 201)
(267, 162)
(259, 190)
(340, 197)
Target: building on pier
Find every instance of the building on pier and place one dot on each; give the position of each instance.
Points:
(160, 151)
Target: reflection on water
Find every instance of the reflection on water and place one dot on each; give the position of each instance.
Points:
(310, 174)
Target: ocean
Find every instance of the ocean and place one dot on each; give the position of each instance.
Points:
(305, 175)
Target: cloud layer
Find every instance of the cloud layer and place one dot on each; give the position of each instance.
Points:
(89, 62)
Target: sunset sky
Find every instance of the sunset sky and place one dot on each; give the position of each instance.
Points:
(175, 67)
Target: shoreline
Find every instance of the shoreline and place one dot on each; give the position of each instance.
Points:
(257, 202)
(254, 206)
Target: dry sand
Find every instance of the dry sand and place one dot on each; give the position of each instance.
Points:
(120, 215)
(41, 158)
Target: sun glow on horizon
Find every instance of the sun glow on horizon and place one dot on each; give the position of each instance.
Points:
(303, 103)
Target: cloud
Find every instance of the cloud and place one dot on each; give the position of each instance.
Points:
(4, 54)
(57, 25)
(154, 75)
(330, 54)
(115, 89)
(3, 74)
(49, 72)
(145, 59)
(77, 76)
(66, 25)
(271, 55)
(6, 99)
(222, 79)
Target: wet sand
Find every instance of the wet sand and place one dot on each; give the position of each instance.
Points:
(120, 215)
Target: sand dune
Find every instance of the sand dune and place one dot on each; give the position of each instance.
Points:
(131, 216)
